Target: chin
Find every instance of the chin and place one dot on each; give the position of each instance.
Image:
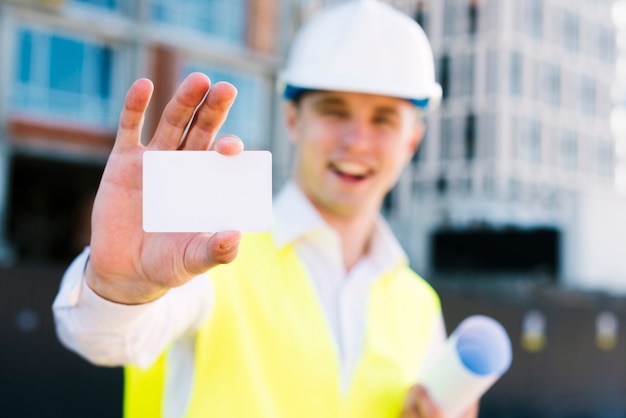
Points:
(351, 209)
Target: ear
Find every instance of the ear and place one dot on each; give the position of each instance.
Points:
(415, 140)
(290, 111)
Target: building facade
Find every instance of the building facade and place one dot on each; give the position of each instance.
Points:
(64, 68)
(516, 176)
(511, 179)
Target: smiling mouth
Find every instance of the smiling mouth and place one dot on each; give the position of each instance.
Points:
(350, 171)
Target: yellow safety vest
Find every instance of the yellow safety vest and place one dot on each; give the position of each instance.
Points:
(267, 351)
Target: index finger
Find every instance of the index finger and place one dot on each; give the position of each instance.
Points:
(179, 111)
(132, 115)
(210, 116)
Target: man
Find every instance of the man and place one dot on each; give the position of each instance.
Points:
(322, 317)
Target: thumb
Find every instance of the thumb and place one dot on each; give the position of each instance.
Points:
(424, 404)
(206, 251)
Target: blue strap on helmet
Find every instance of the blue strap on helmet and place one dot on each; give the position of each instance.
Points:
(292, 92)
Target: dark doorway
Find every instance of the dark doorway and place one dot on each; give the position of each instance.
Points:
(489, 252)
(50, 207)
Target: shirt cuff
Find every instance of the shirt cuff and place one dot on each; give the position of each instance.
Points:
(75, 292)
(110, 333)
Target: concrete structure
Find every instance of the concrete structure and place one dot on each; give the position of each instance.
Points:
(519, 153)
(521, 147)
(64, 68)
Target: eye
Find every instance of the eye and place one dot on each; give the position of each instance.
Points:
(384, 120)
(335, 112)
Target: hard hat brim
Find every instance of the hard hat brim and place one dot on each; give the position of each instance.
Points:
(291, 92)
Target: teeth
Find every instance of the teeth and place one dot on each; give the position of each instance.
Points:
(353, 169)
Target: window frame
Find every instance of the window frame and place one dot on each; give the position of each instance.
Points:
(37, 94)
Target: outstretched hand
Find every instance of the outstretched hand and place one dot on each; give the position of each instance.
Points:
(128, 265)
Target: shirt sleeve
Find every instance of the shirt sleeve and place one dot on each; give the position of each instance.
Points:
(113, 334)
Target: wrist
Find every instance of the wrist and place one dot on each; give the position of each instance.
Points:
(123, 290)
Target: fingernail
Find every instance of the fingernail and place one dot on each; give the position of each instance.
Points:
(231, 243)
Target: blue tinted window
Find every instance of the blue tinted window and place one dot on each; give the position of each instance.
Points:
(63, 76)
(108, 4)
(571, 30)
(516, 74)
(104, 58)
(66, 64)
(222, 18)
(606, 44)
(588, 95)
(533, 17)
(24, 55)
(569, 150)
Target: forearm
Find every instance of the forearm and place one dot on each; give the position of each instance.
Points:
(112, 334)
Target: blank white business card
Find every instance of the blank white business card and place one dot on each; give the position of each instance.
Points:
(204, 191)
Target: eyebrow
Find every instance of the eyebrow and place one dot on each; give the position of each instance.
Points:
(388, 110)
(332, 100)
(329, 101)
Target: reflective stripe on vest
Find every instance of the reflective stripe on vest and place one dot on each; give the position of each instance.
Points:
(267, 350)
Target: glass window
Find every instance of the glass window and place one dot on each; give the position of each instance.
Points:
(491, 82)
(225, 19)
(569, 150)
(533, 18)
(606, 44)
(107, 4)
(249, 116)
(556, 28)
(447, 138)
(516, 74)
(470, 137)
(472, 16)
(487, 135)
(571, 30)
(64, 76)
(534, 141)
(466, 74)
(68, 56)
(444, 75)
(527, 137)
(604, 159)
(25, 53)
(449, 17)
(552, 84)
(588, 95)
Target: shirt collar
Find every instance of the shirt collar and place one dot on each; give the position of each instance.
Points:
(295, 217)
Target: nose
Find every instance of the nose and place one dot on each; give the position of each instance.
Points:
(357, 135)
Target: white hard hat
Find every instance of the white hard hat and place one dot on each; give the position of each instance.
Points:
(362, 46)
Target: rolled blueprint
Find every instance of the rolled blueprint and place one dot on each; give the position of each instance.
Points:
(475, 356)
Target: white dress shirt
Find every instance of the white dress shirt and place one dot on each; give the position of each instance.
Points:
(112, 334)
